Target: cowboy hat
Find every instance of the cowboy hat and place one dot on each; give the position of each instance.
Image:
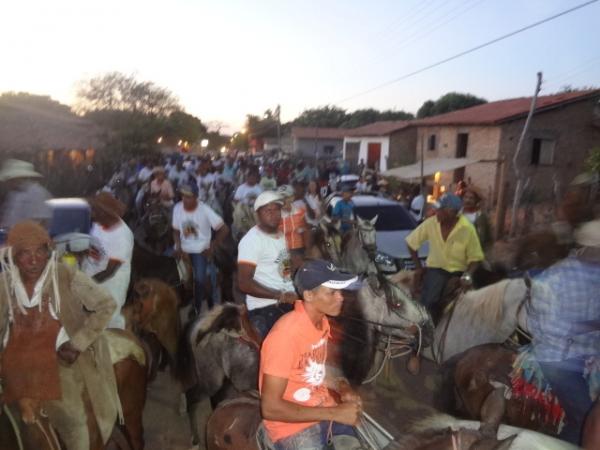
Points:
(15, 168)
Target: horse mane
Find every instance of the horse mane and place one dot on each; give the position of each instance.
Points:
(226, 316)
(484, 306)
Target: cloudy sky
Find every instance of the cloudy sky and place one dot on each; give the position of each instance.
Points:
(226, 58)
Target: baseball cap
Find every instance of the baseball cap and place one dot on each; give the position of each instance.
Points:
(318, 272)
(189, 189)
(285, 191)
(450, 201)
(267, 197)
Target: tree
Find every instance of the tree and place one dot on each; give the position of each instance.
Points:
(362, 117)
(184, 126)
(135, 112)
(450, 102)
(325, 116)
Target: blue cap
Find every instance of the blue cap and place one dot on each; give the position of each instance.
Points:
(318, 272)
(449, 201)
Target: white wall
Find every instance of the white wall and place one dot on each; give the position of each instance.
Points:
(364, 145)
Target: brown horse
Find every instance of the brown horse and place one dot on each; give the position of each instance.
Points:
(129, 364)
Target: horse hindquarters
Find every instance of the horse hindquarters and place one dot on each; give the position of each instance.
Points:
(233, 425)
(131, 385)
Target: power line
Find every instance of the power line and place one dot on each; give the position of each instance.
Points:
(466, 52)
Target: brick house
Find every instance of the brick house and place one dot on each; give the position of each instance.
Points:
(317, 143)
(381, 144)
(564, 128)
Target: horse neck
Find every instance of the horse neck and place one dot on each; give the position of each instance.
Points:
(354, 256)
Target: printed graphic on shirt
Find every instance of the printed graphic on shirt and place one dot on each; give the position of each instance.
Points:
(312, 367)
(189, 229)
(284, 265)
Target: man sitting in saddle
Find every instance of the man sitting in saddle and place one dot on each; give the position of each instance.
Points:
(298, 409)
(51, 346)
(454, 251)
(564, 321)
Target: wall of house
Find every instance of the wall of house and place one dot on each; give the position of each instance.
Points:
(573, 129)
(311, 148)
(364, 145)
(483, 143)
(403, 148)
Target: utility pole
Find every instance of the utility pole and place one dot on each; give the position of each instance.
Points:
(521, 186)
(278, 111)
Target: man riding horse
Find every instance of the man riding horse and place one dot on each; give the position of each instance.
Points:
(52, 349)
(297, 407)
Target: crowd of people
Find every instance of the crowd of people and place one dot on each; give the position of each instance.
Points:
(288, 297)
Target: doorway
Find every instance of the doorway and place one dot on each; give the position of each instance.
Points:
(373, 155)
(462, 142)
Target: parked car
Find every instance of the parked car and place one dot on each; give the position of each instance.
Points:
(393, 224)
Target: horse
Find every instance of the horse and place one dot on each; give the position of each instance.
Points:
(129, 363)
(243, 220)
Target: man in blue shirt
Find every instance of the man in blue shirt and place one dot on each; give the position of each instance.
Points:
(343, 211)
(564, 321)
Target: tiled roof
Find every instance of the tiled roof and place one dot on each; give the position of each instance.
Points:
(504, 110)
(318, 133)
(382, 128)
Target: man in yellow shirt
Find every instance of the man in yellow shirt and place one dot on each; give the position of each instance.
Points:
(454, 250)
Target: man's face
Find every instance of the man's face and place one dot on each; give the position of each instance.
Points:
(326, 300)
(469, 200)
(347, 196)
(446, 215)
(270, 215)
(160, 177)
(189, 201)
(31, 261)
(252, 179)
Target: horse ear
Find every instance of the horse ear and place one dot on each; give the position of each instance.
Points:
(360, 220)
(373, 221)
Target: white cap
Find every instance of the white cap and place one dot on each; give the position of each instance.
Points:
(267, 197)
(588, 234)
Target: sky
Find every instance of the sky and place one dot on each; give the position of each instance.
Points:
(224, 59)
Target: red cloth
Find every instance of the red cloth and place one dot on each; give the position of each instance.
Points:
(30, 362)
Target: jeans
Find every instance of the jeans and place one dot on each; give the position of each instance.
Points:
(568, 384)
(433, 288)
(199, 268)
(316, 437)
(263, 319)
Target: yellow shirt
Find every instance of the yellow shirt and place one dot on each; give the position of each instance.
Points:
(461, 248)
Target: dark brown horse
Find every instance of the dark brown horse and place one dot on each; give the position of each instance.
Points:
(130, 373)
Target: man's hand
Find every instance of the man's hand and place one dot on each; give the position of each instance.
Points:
(288, 297)
(348, 413)
(347, 393)
(68, 353)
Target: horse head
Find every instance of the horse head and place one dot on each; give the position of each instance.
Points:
(367, 234)
(329, 240)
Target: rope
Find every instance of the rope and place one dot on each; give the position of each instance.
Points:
(46, 436)
(16, 428)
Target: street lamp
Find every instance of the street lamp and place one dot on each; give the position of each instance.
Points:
(204, 143)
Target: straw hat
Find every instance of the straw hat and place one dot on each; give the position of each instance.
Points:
(105, 202)
(15, 168)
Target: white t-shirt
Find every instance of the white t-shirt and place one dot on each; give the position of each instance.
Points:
(205, 184)
(416, 207)
(246, 193)
(145, 174)
(269, 254)
(112, 243)
(195, 226)
(178, 177)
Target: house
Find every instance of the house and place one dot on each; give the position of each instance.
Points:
(564, 128)
(317, 143)
(381, 145)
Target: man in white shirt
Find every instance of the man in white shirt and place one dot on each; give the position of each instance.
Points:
(264, 266)
(109, 259)
(250, 190)
(178, 176)
(205, 180)
(193, 224)
(146, 172)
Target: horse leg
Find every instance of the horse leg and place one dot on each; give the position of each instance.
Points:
(199, 411)
(131, 385)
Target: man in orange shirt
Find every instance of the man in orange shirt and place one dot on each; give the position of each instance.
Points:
(297, 407)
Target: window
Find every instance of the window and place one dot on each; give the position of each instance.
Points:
(328, 149)
(542, 152)
(431, 142)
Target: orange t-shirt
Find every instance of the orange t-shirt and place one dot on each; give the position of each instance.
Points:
(290, 224)
(296, 350)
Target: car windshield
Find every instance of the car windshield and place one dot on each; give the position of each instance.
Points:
(390, 217)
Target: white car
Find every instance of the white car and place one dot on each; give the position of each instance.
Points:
(393, 224)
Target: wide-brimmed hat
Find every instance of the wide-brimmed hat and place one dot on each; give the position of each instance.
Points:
(588, 234)
(108, 204)
(266, 198)
(15, 168)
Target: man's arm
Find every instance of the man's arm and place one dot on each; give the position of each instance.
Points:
(99, 306)
(249, 286)
(177, 242)
(221, 233)
(274, 407)
(111, 268)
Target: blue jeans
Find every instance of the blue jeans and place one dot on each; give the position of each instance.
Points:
(316, 437)
(199, 268)
(433, 288)
(568, 384)
(263, 319)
